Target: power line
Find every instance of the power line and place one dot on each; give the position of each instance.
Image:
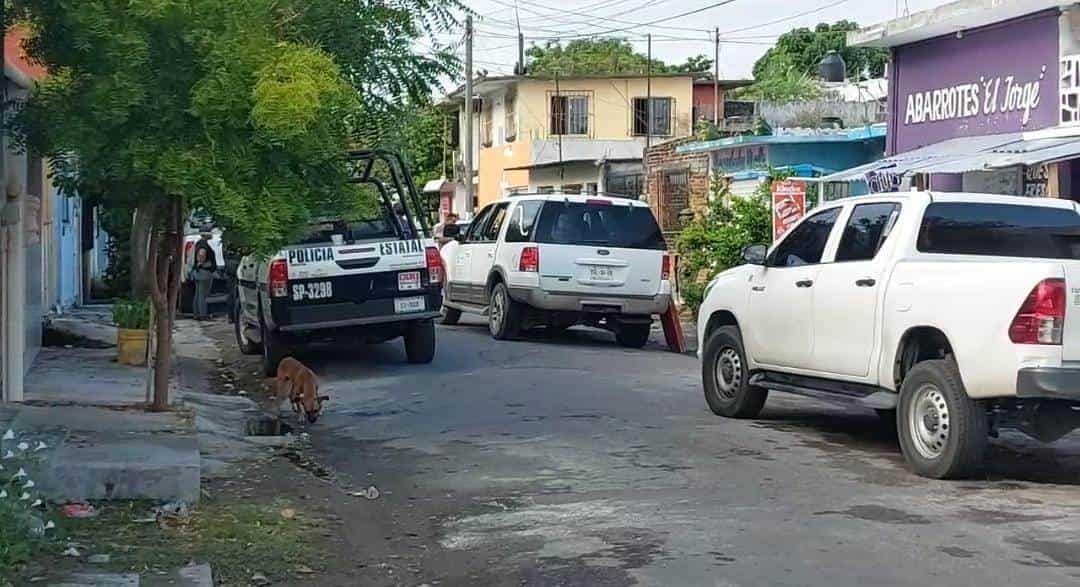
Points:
(633, 24)
(785, 19)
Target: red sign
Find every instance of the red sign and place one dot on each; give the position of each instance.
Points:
(788, 205)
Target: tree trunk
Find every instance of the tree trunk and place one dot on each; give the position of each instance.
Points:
(142, 224)
(164, 272)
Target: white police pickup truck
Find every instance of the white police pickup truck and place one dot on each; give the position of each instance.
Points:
(368, 279)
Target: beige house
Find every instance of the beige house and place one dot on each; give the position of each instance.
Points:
(577, 134)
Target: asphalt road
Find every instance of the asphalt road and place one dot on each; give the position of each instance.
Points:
(572, 461)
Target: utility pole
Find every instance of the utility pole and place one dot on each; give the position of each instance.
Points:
(564, 115)
(521, 54)
(716, 82)
(648, 96)
(467, 152)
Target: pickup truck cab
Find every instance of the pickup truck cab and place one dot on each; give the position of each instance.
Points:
(368, 279)
(954, 314)
(556, 260)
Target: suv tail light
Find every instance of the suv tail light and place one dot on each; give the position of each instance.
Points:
(189, 247)
(279, 279)
(434, 266)
(530, 260)
(665, 268)
(1042, 315)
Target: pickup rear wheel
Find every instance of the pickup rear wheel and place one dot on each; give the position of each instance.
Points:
(943, 432)
(504, 314)
(420, 341)
(246, 346)
(726, 376)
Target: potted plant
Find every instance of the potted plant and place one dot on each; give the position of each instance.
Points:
(132, 319)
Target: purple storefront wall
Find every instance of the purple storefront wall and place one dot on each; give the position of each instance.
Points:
(1019, 48)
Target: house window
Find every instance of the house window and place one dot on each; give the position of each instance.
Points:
(510, 124)
(591, 188)
(572, 188)
(629, 185)
(662, 109)
(569, 115)
(545, 189)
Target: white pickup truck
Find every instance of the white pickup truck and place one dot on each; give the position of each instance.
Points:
(954, 314)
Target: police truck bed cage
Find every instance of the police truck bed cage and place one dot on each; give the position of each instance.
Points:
(391, 177)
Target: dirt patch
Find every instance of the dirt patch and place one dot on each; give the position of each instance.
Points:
(877, 513)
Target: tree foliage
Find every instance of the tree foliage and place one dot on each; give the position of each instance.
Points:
(714, 240)
(802, 49)
(241, 109)
(603, 56)
(780, 81)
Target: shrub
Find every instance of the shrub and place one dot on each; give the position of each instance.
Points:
(131, 314)
(713, 241)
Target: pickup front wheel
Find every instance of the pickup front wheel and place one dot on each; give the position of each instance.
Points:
(943, 432)
(727, 377)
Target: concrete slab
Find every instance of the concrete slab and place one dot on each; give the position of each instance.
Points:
(100, 453)
(89, 322)
(85, 376)
(195, 576)
(99, 580)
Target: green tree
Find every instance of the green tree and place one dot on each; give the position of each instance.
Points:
(240, 109)
(603, 56)
(780, 81)
(714, 240)
(802, 49)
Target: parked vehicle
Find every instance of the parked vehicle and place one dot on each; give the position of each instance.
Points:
(219, 290)
(558, 260)
(954, 315)
(367, 279)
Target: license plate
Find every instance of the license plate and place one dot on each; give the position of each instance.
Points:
(601, 274)
(319, 290)
(406, 305)
(409, 280)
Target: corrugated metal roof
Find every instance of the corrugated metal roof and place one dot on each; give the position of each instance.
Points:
(944, 157)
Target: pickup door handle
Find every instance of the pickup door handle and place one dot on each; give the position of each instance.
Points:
(866, 282)
(757, 288)
(805, 283)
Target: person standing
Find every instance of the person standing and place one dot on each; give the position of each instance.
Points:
(203, 273)
(446, 230)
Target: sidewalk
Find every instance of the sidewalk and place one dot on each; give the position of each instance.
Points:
(102, 444)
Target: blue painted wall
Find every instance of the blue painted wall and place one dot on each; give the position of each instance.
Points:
(833, 156)
(66, 223)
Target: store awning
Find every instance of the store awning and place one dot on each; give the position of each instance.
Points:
(949, 154)
(1022, 152)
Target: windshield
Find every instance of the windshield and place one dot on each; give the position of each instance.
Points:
(599, 223)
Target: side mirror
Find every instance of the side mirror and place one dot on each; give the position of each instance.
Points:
(754, 254)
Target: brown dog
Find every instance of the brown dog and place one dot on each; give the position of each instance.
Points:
(299, 384)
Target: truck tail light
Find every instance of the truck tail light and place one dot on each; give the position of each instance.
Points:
(1042, 315)
(189, 248)
(665, 268)
(279, 279)
(434, 265)
(530, 260)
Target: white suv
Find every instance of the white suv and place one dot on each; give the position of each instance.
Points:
(557, 260)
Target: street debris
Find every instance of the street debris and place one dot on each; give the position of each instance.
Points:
(259, 579)
(71, 551)
(173, 513)
(305, 570)
(288, 513)
(98, 559)
(369, 493)
(78, 510)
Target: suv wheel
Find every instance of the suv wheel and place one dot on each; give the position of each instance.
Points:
(943, 432)
(726, 376)
(273, 350)
(246, 346)
(633, 336)
(504, 314)
(420, 341)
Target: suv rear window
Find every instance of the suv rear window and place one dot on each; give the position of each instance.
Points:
(599, 223)
(1005, 230)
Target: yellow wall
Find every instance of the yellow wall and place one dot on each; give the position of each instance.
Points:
(494, 161)
(610, 104)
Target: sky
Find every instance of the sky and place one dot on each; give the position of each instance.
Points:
(747, 27)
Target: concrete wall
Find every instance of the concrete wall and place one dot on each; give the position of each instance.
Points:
(831, 156)
(571, 174)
